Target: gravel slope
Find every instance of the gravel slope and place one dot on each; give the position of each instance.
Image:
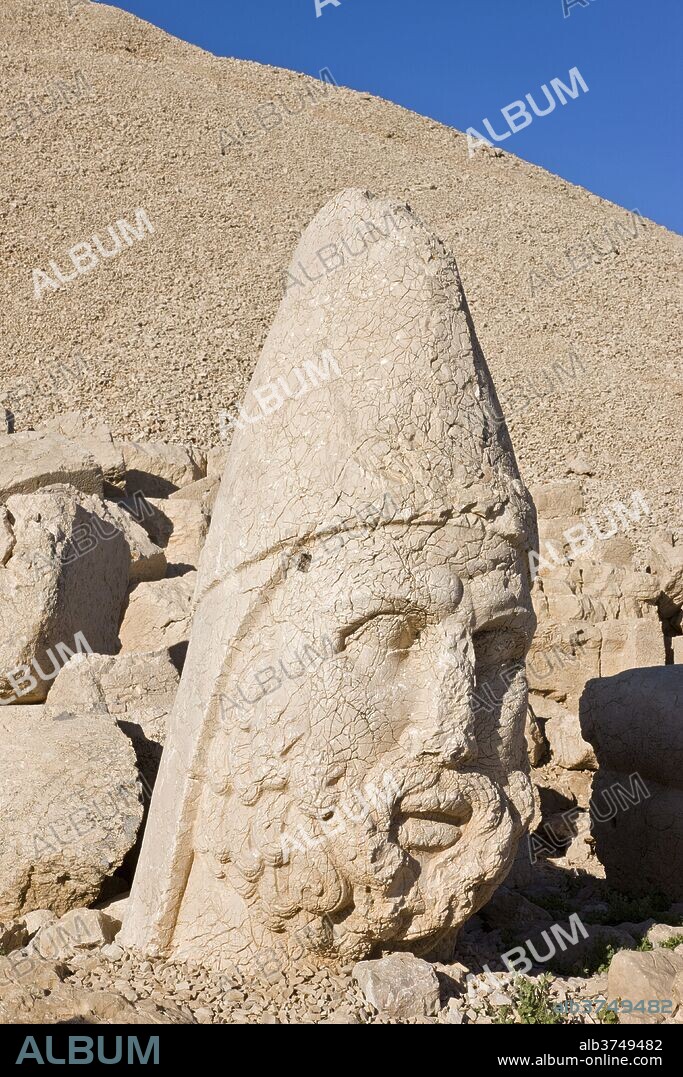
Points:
(159, 338)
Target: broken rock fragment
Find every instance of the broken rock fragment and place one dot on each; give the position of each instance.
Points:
(61, 589)
(61, 839)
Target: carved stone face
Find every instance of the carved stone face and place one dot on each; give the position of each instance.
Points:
(345, 767)
(368, 793)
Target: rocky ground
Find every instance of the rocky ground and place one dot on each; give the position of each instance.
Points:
(80, 508)
(231, 160)
(113, 383)
(73, 968)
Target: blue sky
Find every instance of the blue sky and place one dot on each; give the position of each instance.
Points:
(459, 61)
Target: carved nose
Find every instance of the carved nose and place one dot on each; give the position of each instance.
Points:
(446, 731)
(450, 741)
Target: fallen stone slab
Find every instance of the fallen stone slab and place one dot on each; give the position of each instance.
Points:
(136, 689)
(33, 459)
(95, 437)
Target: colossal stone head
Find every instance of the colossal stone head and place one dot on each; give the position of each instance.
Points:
(345, 770)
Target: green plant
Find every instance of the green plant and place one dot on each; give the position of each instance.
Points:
(503, 1015)
(597, 959)
(531, 1004)
(624, 909)
(608, 1017)
(644, 945)
(672, 942)
(553, 903)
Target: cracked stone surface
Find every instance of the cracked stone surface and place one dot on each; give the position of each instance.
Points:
(330, 786)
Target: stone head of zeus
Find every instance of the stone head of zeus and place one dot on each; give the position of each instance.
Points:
(346, 761)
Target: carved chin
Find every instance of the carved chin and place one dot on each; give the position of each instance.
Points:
(453, 847)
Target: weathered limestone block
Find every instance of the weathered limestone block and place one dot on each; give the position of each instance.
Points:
(648, 975)
(136, 689)
(630, 644)
(159, 614)
(62, 588)
(78, 929)
(147, 559)
(205, 491)
(95, 437)
(400, 986)
(667, 564)
(558, 500)
(562, 658)
(377, 796)
(562, 730)
(70, 809)
(180, 527)
(216, 460)
(32, 459)
(610, 592)
(618, 551)
(157, 468)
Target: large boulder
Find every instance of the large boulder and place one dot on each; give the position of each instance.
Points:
(33, 459)
(71, 808)
(61, 589)
(635, 722)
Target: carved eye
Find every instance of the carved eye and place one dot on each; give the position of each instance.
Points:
(497, 647)
(394, 633)
(303, 562)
